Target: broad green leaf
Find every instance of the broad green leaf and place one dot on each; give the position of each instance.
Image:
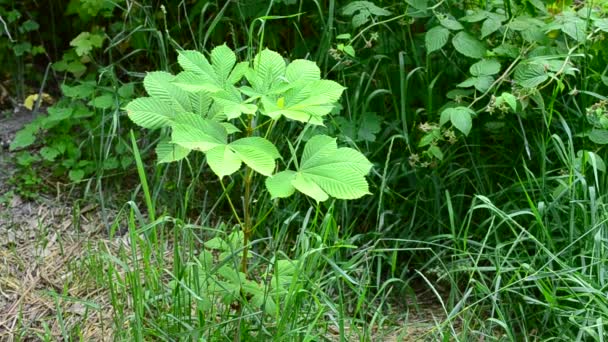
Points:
(436, 152)
(268, 68)
(468, 45)
(49, 153)
(194, 83)
(258, 153)
(279, 185)
(201, 103)
(450, 23)
(460, 117)
(223, 60)
(195, 133)
(436, 38)
(481, 83)
(476, 16)
(599, 136)
(309, 187)
(149, 112)
(232, 105)
(510, 99)
(325, 170)
(530, 75)
(85, 42)
(575, 27)
(166, 152)
(102, 102)
(238, 72)
(301, 70)
(307, 103)
(362, 11)
(223, 161)
(490, 26)
(159, 85)
(76, 175)
(24, 138)
(485, 67)
(194, 62)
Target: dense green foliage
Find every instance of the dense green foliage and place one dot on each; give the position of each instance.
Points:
(483, 123)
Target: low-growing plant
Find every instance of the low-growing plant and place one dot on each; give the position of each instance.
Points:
(227, 110)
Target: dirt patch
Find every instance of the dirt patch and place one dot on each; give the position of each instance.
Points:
(42, 291)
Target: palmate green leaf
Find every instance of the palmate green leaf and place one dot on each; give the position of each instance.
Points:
(325, 170)
(193, 132)
(256, 152)
(232, 105)
(436, 38)
(166, 152)
(223, 161)
(294, 91)
(268, 69)
(158, 84)
(307, 104)
(149, 112)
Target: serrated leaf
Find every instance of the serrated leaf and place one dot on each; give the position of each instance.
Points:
(483, 83)
(325, 170)
(462, 121)
(510, 99)
(450, 23)
(195, 83)
(223, 161)
(436, 38)
(307, 103)
(436, 152)
(158, 84)
(530, 75)
(485, 67)
(223, 60)
(469, 82)
(232, 105)
(468, 45)
(258, 153)
(149, 112)
(195, 62)
(102, 102)
(166, 152)
(490, 26)
(362, 11)
(49, 153)
(599, 136)
(195, 133)
(460, 117)
(279, 185)
(268, 68)
(23, 138)
(76, 175)
(85, 42)
(309, 187)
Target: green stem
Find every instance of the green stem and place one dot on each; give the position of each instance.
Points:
(247, 231)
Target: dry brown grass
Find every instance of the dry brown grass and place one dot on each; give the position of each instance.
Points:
(41, 252)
